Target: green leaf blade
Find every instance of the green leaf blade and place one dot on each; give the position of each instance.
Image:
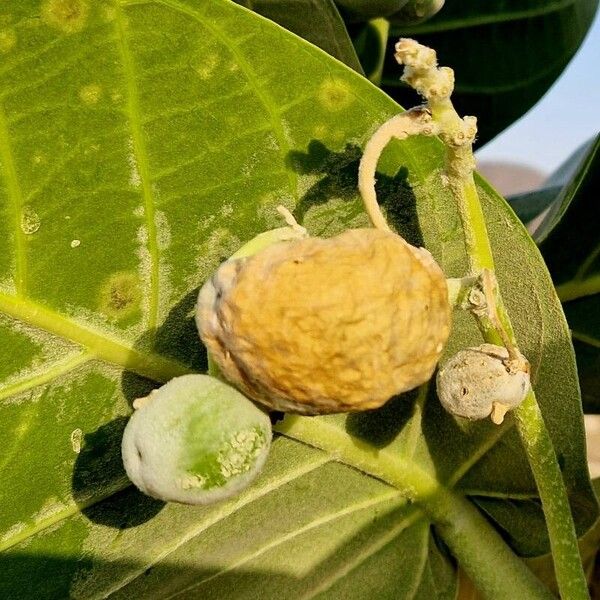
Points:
(200, 133)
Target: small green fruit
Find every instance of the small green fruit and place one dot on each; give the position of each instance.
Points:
(195, 440)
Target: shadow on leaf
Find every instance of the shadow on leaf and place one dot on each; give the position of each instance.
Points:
(177, 339)
(339, 180)
(229, 569)
(381, 426)
(99, 470)
(99, 465)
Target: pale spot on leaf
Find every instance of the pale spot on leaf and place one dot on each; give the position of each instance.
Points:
(70, 16)
(30, 221)
(120, 296)
(8, 40)
(334, 95)
(90, 94)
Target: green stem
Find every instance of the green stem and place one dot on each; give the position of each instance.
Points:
(481, 552)
(496, 571)
(532, 429)
(555, 502)
(477, 242)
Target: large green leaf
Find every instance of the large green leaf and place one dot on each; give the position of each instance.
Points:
(140, 144)
(317, 21)
(568, 239)
(505, 53)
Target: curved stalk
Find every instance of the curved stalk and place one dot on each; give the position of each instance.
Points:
(416, 121)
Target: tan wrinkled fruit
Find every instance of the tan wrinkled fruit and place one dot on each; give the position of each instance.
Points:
(327, 325)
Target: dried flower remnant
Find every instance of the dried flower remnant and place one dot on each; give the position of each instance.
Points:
(477, 383)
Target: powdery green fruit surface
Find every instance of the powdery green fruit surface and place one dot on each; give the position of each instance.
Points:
(195, 440)
(327, 325)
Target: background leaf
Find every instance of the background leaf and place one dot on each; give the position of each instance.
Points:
(317, 21)
(558, 189)
(370, 42)
(505, 53)
(141, 144)
(532, 204)
(568, 240)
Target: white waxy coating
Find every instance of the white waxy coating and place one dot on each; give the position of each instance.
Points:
(474, 379)
(196, 440)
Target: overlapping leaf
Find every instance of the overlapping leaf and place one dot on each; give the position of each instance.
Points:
(506, 54)
(568, 239)
(140, 144)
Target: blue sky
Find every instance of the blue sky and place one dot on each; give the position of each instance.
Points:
(567, 116)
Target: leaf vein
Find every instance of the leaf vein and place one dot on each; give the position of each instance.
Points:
(245, 67)
(15, 196)
(414, 516)
(61, 368)
(100, 344)
(142, 161)
(228, 508)
(349, 510)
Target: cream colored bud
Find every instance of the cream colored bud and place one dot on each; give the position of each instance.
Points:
(479, 382)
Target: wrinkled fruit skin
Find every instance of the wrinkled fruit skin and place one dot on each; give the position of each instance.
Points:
(195, 440)
(474, 378)
(327, 325)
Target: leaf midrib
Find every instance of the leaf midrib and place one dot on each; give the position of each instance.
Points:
(142, 162)
(99, 344)
(15, 197)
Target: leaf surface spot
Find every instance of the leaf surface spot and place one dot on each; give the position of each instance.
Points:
(334, 95)
(121, 295)
(90, 94)
(69, 16)
(8, 40)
